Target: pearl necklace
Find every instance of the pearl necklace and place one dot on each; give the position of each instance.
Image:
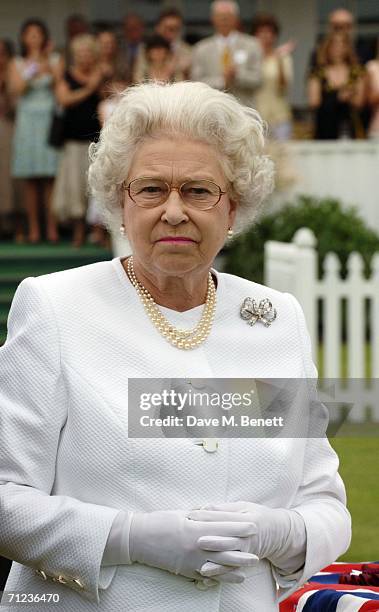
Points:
(181, 338)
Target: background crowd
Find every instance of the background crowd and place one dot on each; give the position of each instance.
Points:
(53, 101)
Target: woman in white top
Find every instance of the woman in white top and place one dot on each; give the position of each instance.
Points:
(95, 515)
(271, 99)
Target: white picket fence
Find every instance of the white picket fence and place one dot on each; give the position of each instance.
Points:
(292, 267)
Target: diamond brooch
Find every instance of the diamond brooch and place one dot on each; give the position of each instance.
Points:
(252, 312)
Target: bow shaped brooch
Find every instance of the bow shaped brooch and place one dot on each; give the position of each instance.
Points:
(251, 312)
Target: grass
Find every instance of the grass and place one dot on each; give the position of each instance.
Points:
(358, 449)
(358, 468)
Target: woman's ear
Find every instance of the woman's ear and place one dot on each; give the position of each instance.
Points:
(232, 211)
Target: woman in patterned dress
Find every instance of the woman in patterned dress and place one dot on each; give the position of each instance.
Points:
(32, 78)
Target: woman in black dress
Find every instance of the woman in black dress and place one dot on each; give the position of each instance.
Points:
(336, 90)
(79, 93)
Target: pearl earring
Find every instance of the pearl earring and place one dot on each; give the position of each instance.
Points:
(122, 230)
(230, 232)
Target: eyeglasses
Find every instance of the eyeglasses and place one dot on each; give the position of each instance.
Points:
(150, 192)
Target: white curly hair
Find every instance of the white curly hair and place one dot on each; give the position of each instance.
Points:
(196, 111)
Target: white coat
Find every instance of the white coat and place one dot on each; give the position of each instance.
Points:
(67, 466)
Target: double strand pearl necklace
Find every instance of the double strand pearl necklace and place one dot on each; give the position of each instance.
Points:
(181, 338)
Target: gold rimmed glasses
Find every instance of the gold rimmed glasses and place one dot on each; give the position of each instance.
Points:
(150, 192)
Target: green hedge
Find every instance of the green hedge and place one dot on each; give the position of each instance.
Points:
(336, 229)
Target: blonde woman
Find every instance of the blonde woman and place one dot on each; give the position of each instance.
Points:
(79, 93)
(336, 90)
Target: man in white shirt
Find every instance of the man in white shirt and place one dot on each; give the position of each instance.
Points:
(229, 59)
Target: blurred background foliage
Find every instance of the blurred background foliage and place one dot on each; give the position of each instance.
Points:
(336, 228)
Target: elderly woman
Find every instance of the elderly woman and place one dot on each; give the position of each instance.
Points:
(176, 524)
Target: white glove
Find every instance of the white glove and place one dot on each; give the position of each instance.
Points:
(280, 534)
(169, 540)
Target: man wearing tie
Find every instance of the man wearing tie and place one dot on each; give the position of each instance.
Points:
(229, 59)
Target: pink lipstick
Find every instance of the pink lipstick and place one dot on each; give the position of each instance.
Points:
(176, 239)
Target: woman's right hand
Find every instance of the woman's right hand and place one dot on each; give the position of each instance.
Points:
(30, 71)
(167, 539)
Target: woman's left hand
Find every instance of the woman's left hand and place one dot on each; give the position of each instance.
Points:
(280, 535)
(286, 48)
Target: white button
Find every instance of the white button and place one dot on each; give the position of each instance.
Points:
(210, 445)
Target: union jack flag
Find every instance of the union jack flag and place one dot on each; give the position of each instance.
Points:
(340, 587)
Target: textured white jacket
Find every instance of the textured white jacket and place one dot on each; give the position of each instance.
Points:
(67, 467)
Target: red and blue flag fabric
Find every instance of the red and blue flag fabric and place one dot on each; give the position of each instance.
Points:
(340, 587)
